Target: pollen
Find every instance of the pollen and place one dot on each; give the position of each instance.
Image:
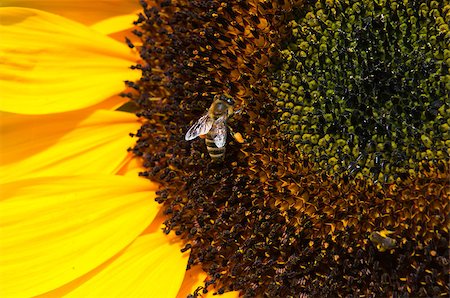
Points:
(336, 180)
(239, 138)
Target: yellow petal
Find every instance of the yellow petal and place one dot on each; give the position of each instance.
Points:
(83, 11)
(196, 277)
(112, 103)
(49, 64)
(65, 144)
(152, 266)
(131, 167)
(115, 24)
(56, 229)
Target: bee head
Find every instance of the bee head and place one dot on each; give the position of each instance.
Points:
(222, 104)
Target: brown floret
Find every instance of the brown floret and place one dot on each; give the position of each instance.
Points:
(270, 220)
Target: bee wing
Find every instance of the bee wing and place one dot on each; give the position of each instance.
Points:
(219, 132)
(201, 127)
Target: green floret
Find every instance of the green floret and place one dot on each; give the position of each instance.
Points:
(374, 80)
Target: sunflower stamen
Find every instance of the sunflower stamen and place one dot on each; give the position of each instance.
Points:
(344, 116)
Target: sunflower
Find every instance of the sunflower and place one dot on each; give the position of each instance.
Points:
(76, 219)
(337, 185)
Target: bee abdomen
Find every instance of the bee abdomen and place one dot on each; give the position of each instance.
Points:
(216, 154)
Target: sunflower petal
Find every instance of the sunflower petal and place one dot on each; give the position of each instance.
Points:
(84, 11)
(65, 144)
(152, 266)
(115, 24)
(132, 166)
(195, 278)
(56, 229)
(50, 64)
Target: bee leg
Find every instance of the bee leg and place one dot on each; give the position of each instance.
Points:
(237, 112)
(237, 136)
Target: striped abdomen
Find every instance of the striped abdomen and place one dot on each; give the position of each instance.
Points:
(217, 154)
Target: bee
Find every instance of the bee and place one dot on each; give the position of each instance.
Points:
(382, 241)
(213, 126)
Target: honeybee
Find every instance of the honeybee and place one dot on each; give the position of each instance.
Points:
(213, 127)
(382, 241)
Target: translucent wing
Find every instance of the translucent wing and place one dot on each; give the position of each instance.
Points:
(201, 127)
(219, 132)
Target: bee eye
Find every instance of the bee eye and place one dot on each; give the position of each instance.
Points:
(228, 100)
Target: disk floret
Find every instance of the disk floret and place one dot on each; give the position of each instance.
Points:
(339, 185)
(363, 88)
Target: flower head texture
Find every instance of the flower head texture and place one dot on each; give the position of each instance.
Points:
(234, 148)
(76, 219)
(338, 182)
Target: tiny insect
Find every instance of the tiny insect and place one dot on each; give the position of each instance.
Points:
(213, 127)
(382, 241)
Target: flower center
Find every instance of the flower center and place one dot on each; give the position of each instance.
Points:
(331, 101)
(361, 88)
